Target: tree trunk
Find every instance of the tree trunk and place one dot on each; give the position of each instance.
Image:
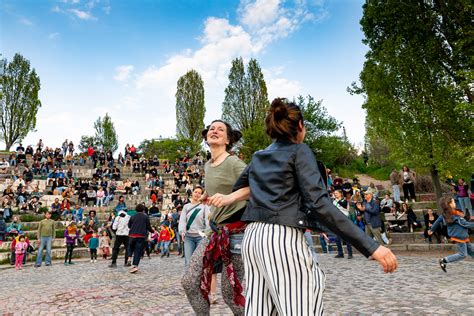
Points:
(436, 183)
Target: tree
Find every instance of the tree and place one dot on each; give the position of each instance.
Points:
(86, 142)
(190, 108)
(19, 100)
(318, 122)
(168, 148)
(245, 104)
(105, 136)
(417, 81)
(320, 136)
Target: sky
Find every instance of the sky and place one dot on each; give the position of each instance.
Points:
(125, 57)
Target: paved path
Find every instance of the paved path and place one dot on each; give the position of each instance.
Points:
(352, 287)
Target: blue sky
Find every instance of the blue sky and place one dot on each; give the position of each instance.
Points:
(125, 57)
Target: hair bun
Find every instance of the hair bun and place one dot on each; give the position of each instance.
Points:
(279, 109)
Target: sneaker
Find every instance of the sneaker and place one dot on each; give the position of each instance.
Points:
(92, 260)
(339, 256)
(71, 263)
(48, 264)
(442, 264)
(349, 257)
(129, 263)
(37, 265)
(113, 265)
(65, 263)
(413, 201)
(95, 260)
(133, 269)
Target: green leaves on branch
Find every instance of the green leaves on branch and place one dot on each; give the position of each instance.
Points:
(190, 107)
(19, 100)
(105, 136)
(168, 148)
(246, 103)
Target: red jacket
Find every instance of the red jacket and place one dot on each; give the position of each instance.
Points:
(164, 235)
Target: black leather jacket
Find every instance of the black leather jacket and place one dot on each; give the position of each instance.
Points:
(286, 188)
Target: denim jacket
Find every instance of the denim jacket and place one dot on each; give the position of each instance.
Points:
(457, 230)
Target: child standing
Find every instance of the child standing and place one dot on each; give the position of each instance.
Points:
(71, 234)
(93, 245)
(20, 249)
(164, 239)
(104, 244)
(457, 229)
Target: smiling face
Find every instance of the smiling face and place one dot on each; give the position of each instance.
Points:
(217, 135)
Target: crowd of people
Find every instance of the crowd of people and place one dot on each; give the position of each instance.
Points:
(222, 237)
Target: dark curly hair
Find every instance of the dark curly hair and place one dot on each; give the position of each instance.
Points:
(233, 135)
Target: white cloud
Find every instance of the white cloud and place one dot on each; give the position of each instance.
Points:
(83, 15)
(123, 72)
(53, 36)
(259, 13)
(107, 9)
(25, 21)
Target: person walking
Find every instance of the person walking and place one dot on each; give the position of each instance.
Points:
(288, 195)
(45, 234)
(193, 222)
(140, 226)
(120, 226)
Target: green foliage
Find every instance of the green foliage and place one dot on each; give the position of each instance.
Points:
(168, 148)
(190, 107)
(245, 104)
(19, 100)
(86, 142)
(105, 136)
(318, 122)
(416, 81)
(31, 217)
(255, 139)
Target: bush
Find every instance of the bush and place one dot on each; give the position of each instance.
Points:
(31, 217)
(43, 209)
(424, 184)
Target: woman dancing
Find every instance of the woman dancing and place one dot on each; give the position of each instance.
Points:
(222, 170)
(287, 196)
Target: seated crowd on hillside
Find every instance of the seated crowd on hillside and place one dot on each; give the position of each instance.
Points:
(45, 172)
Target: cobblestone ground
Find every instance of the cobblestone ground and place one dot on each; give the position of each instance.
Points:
(355, 286)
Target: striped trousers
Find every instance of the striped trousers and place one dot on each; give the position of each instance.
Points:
(281, 276)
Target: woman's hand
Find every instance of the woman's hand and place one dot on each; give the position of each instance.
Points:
(386, 258)
(220, 200)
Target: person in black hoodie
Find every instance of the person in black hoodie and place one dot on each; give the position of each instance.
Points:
(139, 225)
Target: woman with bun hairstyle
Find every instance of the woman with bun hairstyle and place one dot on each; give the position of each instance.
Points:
(222, 170)
(287, 196)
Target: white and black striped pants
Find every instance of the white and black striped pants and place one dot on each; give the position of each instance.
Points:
(281, 276)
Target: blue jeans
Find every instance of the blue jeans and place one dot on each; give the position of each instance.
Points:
(309, 240)
(190, 244)
(465, 203)
(464, 249)
(44, 241)
(165, 245)
(396, 193)
(323, 244)
(340, 252)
